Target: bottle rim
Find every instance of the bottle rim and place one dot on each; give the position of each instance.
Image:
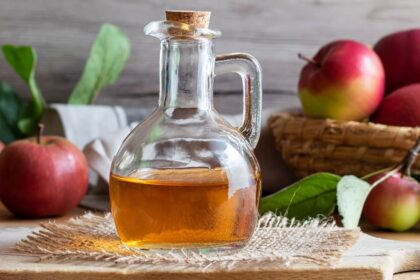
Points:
(172, 29)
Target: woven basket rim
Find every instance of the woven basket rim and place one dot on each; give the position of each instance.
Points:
(328, 121)
(312, 145)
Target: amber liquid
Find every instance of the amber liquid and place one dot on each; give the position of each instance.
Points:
(195, 209)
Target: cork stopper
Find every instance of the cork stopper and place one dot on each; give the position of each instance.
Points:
(199, 19)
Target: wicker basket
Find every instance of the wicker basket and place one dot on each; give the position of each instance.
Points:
(341, 147)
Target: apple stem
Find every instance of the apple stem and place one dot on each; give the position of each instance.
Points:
(386, 176)
(309, 60)
(39, 133)
(404, 167)
(408, 160)
(388, 169)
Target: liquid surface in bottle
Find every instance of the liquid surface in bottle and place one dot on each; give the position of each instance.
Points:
(190, 209)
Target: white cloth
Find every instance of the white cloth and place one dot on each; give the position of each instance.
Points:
(80, 124)
(100, 151)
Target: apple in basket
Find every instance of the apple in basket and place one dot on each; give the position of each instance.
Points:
(400, 56)
(344, 80)
(400, 108)
(42, 176)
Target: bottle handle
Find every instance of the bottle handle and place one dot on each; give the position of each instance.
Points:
(248, 68)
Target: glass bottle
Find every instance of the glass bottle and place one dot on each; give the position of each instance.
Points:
(185, 178)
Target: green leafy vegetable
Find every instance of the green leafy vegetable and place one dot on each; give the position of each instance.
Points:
(107, 58)
(313, 195)
(23, 60)
(351, 196)
(11, 107)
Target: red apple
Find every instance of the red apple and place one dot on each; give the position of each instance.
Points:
(1, 146)
(344, 80)
(400, 55)
(394, 204)
(42, 177)
(400, 108)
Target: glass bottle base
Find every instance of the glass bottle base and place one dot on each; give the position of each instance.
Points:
(186, 247)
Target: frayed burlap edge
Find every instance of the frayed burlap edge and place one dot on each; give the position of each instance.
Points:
(93, 238)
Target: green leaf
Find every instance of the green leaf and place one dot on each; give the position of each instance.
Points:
(23, 60)
(6, 133)
(27, 124)
(10, 109)
(312, 196)
(351, 196)
(107, 58)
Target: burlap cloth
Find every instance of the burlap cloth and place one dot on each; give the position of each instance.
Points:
(93, 238)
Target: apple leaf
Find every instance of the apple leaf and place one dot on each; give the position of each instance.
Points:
(312, 196)
(107, 58)
(23, 60)
(11, 107)
(351, 196)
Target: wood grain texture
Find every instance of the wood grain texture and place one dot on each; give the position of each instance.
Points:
(407, 276)
(28, 269)
(370, 258)
(272, 30)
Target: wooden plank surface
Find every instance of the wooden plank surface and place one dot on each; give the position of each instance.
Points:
(17, 268)
(272, 30)
(370, 259)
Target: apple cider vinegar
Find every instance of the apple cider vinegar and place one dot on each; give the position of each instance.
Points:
(184, 177)
(197, 208)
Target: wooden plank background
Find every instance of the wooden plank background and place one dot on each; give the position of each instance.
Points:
(273, 31)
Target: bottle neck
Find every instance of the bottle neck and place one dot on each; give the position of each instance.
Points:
(186, 73)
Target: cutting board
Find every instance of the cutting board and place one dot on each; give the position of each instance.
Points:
(371, 258)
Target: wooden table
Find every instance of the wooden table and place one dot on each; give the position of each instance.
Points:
(7, 220)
